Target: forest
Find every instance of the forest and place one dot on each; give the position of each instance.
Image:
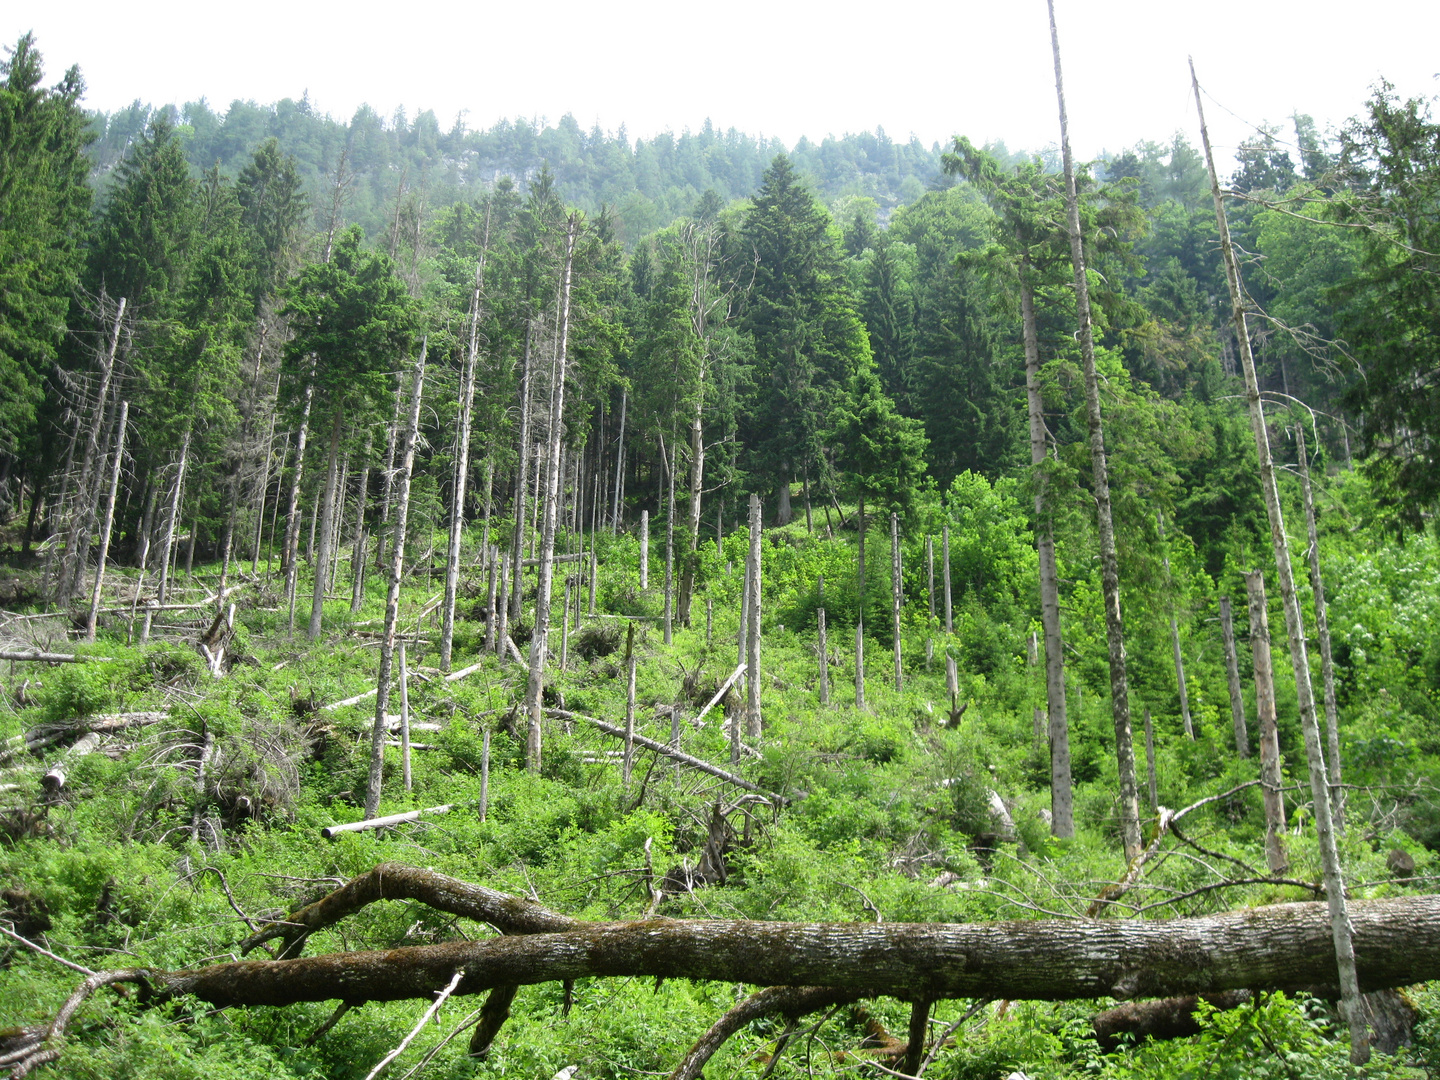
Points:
(547, 603)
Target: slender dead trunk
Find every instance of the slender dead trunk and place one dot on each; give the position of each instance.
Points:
(462, 474)
(823, 647)
(392, 595)
(896, 597)
(1150, 762)
(387, 480)
(629, 762)
(753, 720)
(945, 573)
(1350, 1008)
(860, 621)
(108, 521)
(1232, 677)
(1322, 633)
(619, 463)
(670, 535)
(405, 777)
(326, 517)
(77, 543)
(290, 555)
(522, 468)
(357, 556)
(538, 640)
(1175, 632)
(172, 519)
(644, 550)
(1270, 778)
(1109, 561)
(692, 527)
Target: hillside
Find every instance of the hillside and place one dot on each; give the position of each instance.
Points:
(989, 547)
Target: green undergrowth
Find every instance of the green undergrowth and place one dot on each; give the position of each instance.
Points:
(890, 816)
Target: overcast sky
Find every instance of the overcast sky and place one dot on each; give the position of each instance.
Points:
(772, 67)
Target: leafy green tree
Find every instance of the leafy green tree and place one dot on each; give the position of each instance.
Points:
(1390, 312)
(44, 212)
(808, 338)
(352, 320)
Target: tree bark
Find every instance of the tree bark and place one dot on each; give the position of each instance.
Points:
(1109, 561)
(1270, 778)
(644, 550)
(1232, 675)
(539, 643)
(1350, 1007)
(522, 467)
(896, 598)
(1175, 633)
(1322, 633)
(290, 555)
(108, 522)
(619, 463)
(1283, 947)
(462, 474)
(753, 721)
(392, 596)
(326, 517)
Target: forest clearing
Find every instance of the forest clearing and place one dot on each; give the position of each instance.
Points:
(886, 612)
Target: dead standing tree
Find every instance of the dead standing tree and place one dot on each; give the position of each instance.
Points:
(1109, 560)
(539, 636)
(392, 596)
(1344, 948)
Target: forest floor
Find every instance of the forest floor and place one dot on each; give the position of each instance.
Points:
(901, 811)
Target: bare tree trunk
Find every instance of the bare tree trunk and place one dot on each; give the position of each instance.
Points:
(644, 550)
(1109, 561)
(387, 479)
(1322, 633)
(326, 518)
(753, 720)
(290, 555)
(1270, 778)
(462, 474)
(1175, 632)
(670, 534)
(171, 521)
(1232, 675)
(860, 621)
(392, 595)
(1350, 1007)
(824, 650)
(357, 557)
(619, 464)
(405, 776)
(1150, 762)
(522, 467)
(629, 762)
(945, 573)
(538, 639)
(692, 530)
(77, 543)
(896, 597)
(108, 521)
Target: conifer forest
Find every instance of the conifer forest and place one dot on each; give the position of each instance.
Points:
(699, 606)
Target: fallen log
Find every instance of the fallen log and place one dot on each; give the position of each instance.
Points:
(1284, 947)
(55, 779)
(332, 831)
(678, 755)
(53, 657)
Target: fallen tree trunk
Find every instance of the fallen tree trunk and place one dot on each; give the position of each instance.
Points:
(53, 657)
(1284, 947)
(670, 752)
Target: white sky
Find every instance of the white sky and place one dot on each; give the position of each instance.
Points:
(775, 67)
